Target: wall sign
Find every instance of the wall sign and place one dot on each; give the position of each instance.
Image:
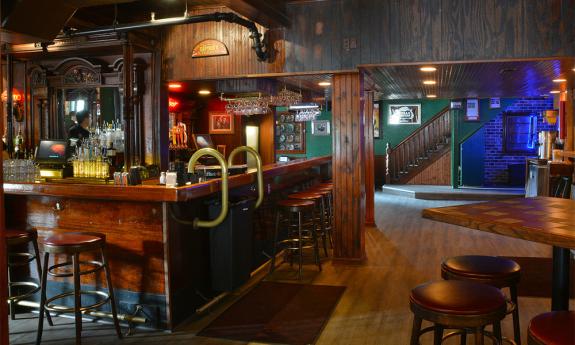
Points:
(472, 107)
(208, 48)
(404, 114)
(376, 127)
(495, 103)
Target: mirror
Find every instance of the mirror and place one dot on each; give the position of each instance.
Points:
(103, 103)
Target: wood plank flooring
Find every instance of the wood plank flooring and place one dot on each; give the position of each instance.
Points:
(403, 251)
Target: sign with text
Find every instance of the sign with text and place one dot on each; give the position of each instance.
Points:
(207, 48)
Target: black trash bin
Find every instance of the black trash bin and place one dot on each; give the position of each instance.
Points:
(231, 245)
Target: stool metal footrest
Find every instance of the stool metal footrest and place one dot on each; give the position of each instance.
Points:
(35, 288)
(52, 307)
(97, 266)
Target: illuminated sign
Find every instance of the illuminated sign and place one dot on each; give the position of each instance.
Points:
(16, 96)
(208, 48)
(172, 103)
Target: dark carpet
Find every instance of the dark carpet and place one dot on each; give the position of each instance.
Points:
(277, 313)
(536, 277)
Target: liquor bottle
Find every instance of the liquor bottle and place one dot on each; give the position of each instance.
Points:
(18, 143)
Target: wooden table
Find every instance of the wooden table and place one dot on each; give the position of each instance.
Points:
(541, 219)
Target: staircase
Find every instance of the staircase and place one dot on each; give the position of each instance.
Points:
(419, 150)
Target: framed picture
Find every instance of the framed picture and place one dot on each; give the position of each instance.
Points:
(289, 134)
(376, 127)
(472, 110)
(404, 114)
(320, 127)
(221, 123)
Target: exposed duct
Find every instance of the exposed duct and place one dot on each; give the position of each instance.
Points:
(258, 45)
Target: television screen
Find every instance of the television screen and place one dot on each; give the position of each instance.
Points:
(203, 141)
(52, 152)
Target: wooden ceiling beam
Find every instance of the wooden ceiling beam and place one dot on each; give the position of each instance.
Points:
(270, 14)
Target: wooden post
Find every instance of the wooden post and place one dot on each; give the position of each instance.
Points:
(3, 264)
(369, 159)
(128, 55)
(388, 170)
(569, 121)
(348, 169)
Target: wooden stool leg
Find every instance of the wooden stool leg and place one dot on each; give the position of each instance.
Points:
(415, 330)
(12, 308)
(479, 336)
(39, 268)
(516, 327)
(497, 331)
(111, 291)
(463, 339)
(77, 298)
(437, 334)
(299, 228)
(322, 226)
(42, 299)
(315, 243)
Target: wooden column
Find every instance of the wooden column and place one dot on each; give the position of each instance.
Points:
(3, 263)
(128, 55)
(569, 121)
(348, 168)
(369, 159)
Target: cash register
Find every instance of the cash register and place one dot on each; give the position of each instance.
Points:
(52, 159)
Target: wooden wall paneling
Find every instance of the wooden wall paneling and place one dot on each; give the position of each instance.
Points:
(3, 264)
(379, 178)
(267, 130)
(350, 27)
(569, 122)
(369, 158)
(348, 169)
(438, 173)
(452, 40)
(431, 33)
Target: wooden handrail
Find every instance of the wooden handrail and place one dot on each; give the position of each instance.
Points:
(435, 117)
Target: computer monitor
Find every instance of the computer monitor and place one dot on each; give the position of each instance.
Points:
(52, 152)
(202, 141)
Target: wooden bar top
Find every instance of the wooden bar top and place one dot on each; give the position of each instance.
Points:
(541, 219)
(158, 192)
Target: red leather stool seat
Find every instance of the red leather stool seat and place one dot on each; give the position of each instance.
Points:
(554, 328)
(295, 203)
(305, 196)
(71, 239)
(479, 266)
(458, 297)
(12, 234)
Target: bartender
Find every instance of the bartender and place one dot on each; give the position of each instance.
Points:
(80, 130)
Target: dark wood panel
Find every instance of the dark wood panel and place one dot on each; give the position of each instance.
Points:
(3, 258)
(438, 173)
(133, 233)
(267, 149)
(379, 163)
(348, 169)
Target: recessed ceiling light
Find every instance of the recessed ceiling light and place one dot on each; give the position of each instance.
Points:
(204, 92)
(431, 96)
(559, 80)
(324, 83)
(428, 69)
(429, 82)
(554, 91)
(174, 86)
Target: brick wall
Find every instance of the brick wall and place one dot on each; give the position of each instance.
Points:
(496, 160)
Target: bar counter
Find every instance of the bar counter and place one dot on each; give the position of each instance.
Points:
(158, 261)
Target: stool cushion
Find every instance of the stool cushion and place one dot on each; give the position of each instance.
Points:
(479, 266)
(305, 196)
(458, 297)
(12, 234)
(71, 239)
(554, 328)
(295, 203)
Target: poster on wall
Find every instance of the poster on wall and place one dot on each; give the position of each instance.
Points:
(221, 123)
(404, 114)
(472, 110)
(376, 129)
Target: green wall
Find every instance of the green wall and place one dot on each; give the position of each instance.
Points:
(315, 146)
(394, 134)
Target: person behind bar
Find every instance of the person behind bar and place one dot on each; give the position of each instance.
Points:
(80, 130)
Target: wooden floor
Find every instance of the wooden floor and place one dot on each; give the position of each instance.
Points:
(403, 251)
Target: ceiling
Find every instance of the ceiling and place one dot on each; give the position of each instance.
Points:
(482, 79)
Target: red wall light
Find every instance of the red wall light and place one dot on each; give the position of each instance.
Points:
(174, 86)
(172, 104)
(16, 96)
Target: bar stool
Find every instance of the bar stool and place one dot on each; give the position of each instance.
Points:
(74, 244)
(300, 235)
(16, 258)
(319, 214)
(492, 270)
(326, 193)
(457, 304)
(553, 328)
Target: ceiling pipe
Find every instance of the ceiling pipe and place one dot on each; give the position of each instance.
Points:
(258, 45)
